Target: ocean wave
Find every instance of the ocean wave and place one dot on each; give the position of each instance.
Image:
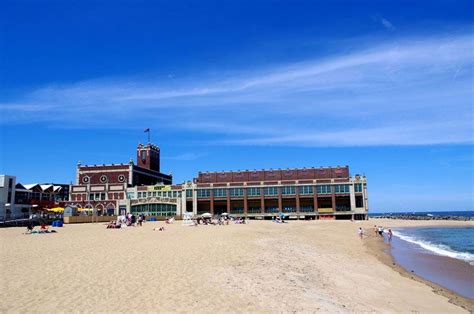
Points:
(436, 248)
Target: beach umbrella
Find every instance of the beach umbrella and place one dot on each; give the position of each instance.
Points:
(206, 215)
(57, 209)
(224, 214)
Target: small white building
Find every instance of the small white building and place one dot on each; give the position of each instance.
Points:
(8, 208)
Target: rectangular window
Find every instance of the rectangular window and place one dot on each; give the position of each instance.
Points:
(272, 190)
(140, 194)
(324, 189)
(253, 191)
(236, 192)
(203, 193)
(102, 196)
(358, 187)
(220, 193)
(306, 190)
(288, 190)
(189, 193)
(91, 197)
(341, 188)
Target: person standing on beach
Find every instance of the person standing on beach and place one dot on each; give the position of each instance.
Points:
(380, 231)
(361, 232)
(376, 230)
(390, 234)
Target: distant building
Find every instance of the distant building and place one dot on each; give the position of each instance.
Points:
(309, 193)
(7, 197)
(20, 200)
(102, 187)
(47, 195)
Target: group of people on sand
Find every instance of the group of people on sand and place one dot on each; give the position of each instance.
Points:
(162, 228)
(218, 221)
(127, 220)
(43, 228)
(378, 231)
(278, 220)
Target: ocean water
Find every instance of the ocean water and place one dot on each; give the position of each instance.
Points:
(468, 213)
(454, 242)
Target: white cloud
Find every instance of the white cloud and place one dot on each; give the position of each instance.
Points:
(185, 156)
(418, 91)
(385, 23)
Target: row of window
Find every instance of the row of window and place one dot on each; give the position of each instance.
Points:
(97, 197)
(273, 190)
(155, 209)
(131, 195)
(286, 209)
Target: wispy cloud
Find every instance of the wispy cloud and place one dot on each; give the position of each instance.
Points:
(416, 91)
(190, 156)
(384, 22)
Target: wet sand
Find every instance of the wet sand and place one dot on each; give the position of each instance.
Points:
(451, 273)
(316, 266)
(439, 272)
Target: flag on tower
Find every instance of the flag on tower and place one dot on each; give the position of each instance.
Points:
(147, 130)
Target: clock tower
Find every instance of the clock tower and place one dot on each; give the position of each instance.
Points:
(148, 157)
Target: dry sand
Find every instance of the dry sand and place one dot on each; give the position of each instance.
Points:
(264, 267)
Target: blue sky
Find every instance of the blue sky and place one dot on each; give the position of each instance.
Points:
(385, 87)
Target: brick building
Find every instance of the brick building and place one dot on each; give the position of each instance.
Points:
(102, 187)
(314, 193)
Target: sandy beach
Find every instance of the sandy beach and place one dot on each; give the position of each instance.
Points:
(320, 266)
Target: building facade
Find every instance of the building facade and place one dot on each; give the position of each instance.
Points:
(8, 209)
(102, 188)
(20, 200)
(307, 193)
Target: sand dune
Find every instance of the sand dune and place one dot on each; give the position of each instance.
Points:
(264, 267)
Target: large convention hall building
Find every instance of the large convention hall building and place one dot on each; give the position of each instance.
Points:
(307, 193)
(303, 193)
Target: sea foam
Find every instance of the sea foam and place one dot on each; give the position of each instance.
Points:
(436, 248)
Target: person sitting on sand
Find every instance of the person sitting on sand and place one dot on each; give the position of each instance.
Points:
(159, 229)
(44, 228)
(29, 227)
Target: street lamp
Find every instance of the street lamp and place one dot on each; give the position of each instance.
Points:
(7, 210)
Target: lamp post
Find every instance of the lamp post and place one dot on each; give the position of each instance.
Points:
(7, 210)
(34, 205)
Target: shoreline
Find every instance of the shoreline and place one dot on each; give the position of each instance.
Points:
(382, 251)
